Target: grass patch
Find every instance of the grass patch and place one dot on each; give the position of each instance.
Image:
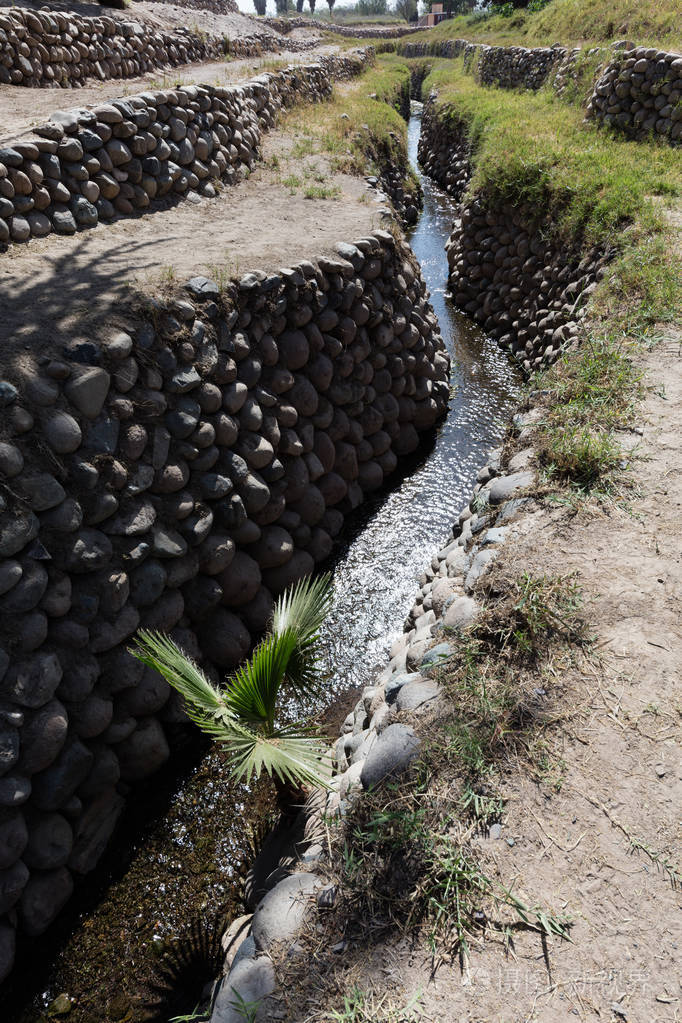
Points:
(360, 128)
(569, 22)
(321, 192)
(292, 182)
(586, 398)
(362, 1006)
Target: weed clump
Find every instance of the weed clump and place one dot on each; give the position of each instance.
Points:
(587, 397)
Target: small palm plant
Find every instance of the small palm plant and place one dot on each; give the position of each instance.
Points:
(242, 714)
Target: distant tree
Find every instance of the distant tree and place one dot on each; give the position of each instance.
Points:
(406, 9)
(366, 7)
(260, 6)
(281, 6)
(311, 5)
(299, 6)
(330, 5)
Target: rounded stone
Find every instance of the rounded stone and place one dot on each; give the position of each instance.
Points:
(391, 754)
(275, 547)
(144, 751)
(31, 683)
(294, 349)
(224, 639)
(43, 898)
(62, 433)
(13, 838)
(240, 580)
(12, 883)
(11, 460)
(50, 839)
(258, 612)
(299, 565)
(42, 738)
(283, 911)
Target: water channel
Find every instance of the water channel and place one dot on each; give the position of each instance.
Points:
(181, 851)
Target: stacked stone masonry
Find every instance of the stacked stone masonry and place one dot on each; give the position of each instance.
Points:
(286, 25)
(640, 93)
(509, 67)
(505, 271)
(60, 49)
(178, 476)
(86, 166)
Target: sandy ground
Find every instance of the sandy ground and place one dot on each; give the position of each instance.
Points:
(59, 289)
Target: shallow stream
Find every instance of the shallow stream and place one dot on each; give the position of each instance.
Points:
(182, 847)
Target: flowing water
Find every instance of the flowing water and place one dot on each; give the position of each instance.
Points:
(181, 853)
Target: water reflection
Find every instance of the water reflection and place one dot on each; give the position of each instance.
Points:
(376, 575)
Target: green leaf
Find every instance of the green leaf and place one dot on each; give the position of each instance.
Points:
(252, 691)
(302, 610)
(159, 652)
(291, 756)
(242, 716)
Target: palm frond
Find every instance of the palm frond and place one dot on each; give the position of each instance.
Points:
(303, 608)
(161, 653)
(291, 756)
(252, 691)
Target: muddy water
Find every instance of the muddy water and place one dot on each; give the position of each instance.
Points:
(182, 850)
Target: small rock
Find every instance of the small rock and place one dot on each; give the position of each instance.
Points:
(391, 754)
(282, 912)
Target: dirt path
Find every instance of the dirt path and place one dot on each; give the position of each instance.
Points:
(593, 833)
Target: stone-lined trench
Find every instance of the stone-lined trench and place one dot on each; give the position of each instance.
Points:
(187, 858)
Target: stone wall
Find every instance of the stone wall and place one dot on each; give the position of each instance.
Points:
(640, 93)
(85, 166)
(178, 476)
(525, 289)
(285, 25)
(508, 67)
(48, 48)
(443, 151)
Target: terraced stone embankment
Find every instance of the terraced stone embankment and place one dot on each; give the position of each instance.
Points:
(87, 166)
(638, 90)
(48, 49)
(508, 67)
(506, 272)
(178, 475)
(640, 93)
